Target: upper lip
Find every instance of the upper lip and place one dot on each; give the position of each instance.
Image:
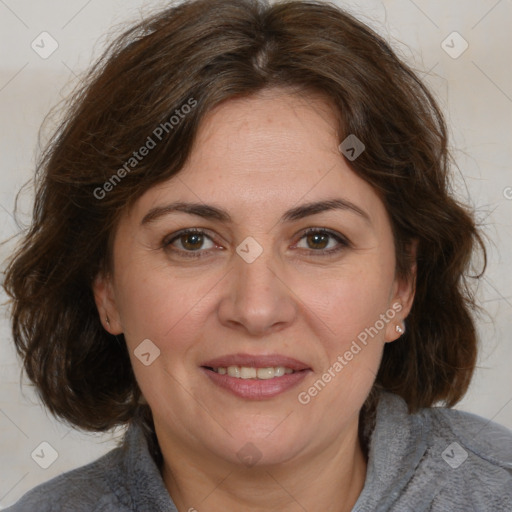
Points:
(255, 361)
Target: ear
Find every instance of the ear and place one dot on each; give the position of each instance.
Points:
(104, 298)
(402, 296)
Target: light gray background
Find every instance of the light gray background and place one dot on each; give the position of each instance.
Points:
(475, 90)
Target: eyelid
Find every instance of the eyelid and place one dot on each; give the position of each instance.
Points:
(335, 234)
(168, 240)
(342, 240)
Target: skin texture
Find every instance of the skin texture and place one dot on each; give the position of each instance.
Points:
(256, 158)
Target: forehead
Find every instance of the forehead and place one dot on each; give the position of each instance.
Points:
(265, 153)
(275, 133)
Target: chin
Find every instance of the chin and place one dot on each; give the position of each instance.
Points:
(261, 446)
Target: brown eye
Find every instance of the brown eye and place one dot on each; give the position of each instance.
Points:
(318, 240)
(324, 241)
(189, 241)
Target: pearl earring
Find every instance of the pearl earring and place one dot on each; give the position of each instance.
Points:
(399, 329)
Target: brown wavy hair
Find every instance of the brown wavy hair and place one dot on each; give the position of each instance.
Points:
(207, 52)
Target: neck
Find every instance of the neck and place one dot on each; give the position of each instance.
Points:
(329, 480)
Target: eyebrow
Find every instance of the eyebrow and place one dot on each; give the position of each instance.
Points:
(212, 212)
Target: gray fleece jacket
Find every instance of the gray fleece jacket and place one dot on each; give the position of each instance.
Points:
(438, 460)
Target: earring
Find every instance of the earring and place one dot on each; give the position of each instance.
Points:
(399, 329)
(107, 320)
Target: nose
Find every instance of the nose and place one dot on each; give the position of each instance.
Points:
(257, 298)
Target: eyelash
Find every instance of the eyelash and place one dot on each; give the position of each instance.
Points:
(167, 242)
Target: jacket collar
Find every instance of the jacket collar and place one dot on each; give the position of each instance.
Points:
(398, 442)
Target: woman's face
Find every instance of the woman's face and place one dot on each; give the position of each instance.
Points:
(253, 289)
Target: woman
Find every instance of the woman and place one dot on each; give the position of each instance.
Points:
(244, 248)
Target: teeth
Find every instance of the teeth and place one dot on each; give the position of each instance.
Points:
(245, 372)
(234, 371)
(266, 373)
(248, 373)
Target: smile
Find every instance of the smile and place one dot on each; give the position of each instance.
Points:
(247, 372)
(252, 383)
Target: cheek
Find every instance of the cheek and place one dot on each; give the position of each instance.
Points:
(353, 342)
(352, 300)
(168, 306)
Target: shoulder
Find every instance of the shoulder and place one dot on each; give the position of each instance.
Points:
(471, 459)
(86, 489)
(125, 479)
(437, 459)
(488, 441)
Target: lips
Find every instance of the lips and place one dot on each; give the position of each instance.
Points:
(255, 361)
(254, 388)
